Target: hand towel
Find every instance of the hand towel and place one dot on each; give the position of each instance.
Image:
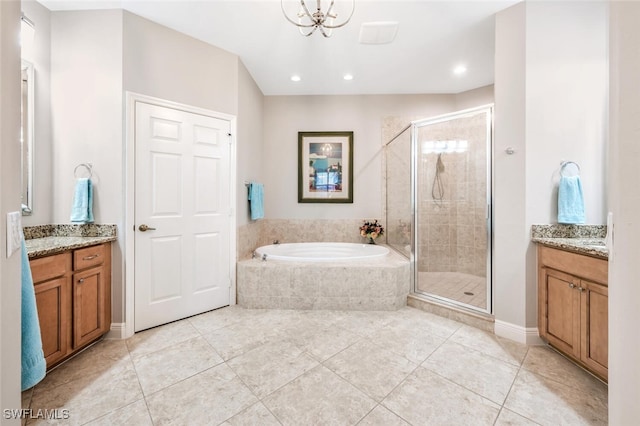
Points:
(570, 200)
(34, 366)
(256, 196)
(82, 210)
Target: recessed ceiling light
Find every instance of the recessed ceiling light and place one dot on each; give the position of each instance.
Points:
(348, 77)
(295, 78)
(459, 70)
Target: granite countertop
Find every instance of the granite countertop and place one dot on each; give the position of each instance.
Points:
(45, 240)
(582, 239)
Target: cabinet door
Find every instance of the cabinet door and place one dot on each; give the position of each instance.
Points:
(52, 301)
(594, 325)
(561, 322)
(90, 299)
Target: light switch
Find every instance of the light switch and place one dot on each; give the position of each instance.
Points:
(14, 224)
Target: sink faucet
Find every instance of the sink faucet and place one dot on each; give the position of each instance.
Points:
(276, 242)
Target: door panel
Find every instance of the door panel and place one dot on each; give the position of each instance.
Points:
(183, 191)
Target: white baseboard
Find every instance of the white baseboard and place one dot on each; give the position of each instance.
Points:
(517, 333)
(117, 331)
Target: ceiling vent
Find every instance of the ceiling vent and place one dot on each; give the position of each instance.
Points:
(378, 32)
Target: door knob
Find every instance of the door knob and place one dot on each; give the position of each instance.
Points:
(144, 228)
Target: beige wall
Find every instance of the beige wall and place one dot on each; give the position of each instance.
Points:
(161, 62)
(624, 270)
(87, 119)
(9, 201)
(42, 183)
(285, 116)
(551, 100)
(250, 164)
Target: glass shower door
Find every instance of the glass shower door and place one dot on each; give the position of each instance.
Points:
(452, 216)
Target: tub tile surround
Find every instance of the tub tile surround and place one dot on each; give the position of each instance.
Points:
(582, 239)
(356, 285)
(368, 377)
(43, 240)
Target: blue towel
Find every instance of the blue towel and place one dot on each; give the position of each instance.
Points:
(570, 200)
(256, 205)
(34, 366)
(82, 210)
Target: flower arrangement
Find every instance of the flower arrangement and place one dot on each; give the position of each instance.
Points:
(371, 230)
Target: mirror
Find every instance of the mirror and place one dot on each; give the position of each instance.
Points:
(26, 137)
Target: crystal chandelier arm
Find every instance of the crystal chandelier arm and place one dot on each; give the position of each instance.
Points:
(297, 24)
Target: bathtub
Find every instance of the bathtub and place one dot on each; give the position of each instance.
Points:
(321, 252)
(298, 280)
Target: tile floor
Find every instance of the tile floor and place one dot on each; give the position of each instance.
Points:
(264, 367)
(465, 288)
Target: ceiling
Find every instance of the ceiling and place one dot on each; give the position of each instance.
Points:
(433, 37)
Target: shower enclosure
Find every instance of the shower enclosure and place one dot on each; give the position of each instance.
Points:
(438, 205)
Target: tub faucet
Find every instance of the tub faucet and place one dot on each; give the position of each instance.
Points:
(264, 257)
(276, 242)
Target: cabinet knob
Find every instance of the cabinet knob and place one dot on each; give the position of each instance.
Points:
(81, 280)
(581, 289)
(572, 285)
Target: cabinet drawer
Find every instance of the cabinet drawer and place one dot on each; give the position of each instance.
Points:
(48, 267)
(87, 257)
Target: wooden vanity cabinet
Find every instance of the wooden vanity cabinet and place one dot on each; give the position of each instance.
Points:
(52, 284)
(73, 297)
(573, 306)
(91, 294)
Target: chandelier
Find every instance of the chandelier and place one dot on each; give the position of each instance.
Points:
(309, 22)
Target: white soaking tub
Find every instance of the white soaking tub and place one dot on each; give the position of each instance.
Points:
(321, 252)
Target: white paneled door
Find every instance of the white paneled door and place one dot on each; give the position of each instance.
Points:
(182, 214)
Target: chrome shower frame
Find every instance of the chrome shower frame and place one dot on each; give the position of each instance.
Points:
(415, 249)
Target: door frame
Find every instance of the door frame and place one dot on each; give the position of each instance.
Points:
(128, 290)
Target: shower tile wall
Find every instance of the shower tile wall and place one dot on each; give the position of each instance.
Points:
(454, 232)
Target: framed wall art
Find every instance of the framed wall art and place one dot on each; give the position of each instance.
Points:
(325, 167)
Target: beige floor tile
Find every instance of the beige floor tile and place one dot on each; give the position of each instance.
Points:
(319, 397)
(90, 397)
(415, 345)
(239, 338)
(256, 415)
(365, 323)
(480, 373)
(323, 342)
(158, 338)
(509, 418)
(101, 357)
(546, 362)
(425, 398)
(159, 369)
(380, 416)
(210, 397)
(415, 319)
(219, 318)
(133, 414)
(550, 403)
(490, 344)
(373, 370)
(270, 366)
